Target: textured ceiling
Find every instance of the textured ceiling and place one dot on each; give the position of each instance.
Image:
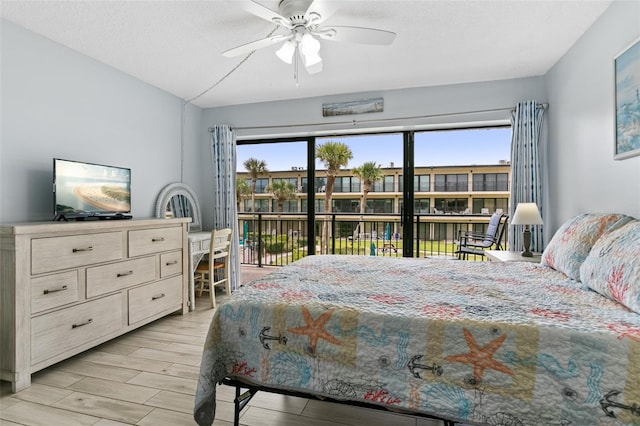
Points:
(177, 45)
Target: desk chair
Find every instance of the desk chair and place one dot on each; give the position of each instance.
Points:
(218, 261)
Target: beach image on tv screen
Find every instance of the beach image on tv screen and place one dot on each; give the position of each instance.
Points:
(91, 188)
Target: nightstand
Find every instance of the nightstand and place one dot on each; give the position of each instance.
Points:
(510, 256)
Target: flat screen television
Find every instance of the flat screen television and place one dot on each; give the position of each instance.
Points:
(82, 190)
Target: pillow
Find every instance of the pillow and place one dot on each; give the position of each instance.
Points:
(571, 244)
(613, 266)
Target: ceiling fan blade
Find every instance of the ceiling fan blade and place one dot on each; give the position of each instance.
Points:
(356, 35)
(265, 13)
(319, 10)
(255, 45)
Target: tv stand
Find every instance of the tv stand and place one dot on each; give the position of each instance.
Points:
(69, 287)
(118, 216)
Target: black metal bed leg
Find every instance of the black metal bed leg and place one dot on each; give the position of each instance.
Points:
(240, 401)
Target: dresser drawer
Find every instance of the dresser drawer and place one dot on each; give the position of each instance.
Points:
(148, 241)
(151, 299)
(52, 291)
(57, 332)
(170, 264)
(57, 253)
(116, 276)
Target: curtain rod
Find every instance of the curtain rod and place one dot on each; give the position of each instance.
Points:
(378, 120)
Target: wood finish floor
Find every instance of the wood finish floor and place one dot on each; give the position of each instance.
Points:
(149, 376)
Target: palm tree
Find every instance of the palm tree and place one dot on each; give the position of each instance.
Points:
(282, 191)
(334, 155)
(243, 190)
(369, 173)
(255, 168)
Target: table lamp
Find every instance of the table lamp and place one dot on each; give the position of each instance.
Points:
(526, 214)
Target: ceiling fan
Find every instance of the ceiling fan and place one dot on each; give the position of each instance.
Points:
(303, 19)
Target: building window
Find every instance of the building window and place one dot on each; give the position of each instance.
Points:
(421, 183)
(384, 185)
(384, 205)
(451, 183)
(321, 184)
(421, 206)
(346, 206)
(491, 182)
(450, 205)
(346, 184)
(261, 185)
(262, 206)
(490, 205)
(292, 180)
(288, 206)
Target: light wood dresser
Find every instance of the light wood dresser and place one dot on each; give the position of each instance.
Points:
(69, 286)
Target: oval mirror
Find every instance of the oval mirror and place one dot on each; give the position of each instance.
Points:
(179, 200)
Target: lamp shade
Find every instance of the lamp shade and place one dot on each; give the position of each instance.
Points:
(285, 53)
(526, 214)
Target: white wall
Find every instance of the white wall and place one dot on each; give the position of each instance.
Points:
(59, 103)
(583, 177)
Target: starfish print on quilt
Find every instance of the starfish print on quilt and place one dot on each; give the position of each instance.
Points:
(315, 329)
(481, 357)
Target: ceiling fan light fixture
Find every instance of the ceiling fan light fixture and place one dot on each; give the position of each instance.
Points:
(285, 53)
(309, 45)
(311, 59)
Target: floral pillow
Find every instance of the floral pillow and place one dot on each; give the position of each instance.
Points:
(571, 244)
(613, 266)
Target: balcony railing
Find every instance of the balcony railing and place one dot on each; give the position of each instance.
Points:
(279, 239)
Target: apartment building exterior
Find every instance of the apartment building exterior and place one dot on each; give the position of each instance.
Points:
(464, 189)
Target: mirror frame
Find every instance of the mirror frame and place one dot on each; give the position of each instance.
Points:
(178, 188)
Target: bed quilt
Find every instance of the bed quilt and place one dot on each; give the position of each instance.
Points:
(478, 342)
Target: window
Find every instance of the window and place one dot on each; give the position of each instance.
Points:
(491, 182)
(261, 206)
(292, 180)
(491, 204)
(421, 183)
(321, 184)
(384, 205)
(451, 205)
(451, 183)
(346, 206)
(421, 206)
(288, 206)
(261, 185)
(346, 184)
(384, 185)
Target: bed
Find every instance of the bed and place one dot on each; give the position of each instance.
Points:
(474, 342)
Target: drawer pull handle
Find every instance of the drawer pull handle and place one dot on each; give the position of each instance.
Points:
(175, 262)
(89, 321)
(54, 290)
(124, 274)
(77, 250)
(158, 297)
(157, 240)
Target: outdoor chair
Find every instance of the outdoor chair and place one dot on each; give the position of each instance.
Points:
(476, 243)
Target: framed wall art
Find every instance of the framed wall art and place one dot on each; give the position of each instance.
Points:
(627, 102)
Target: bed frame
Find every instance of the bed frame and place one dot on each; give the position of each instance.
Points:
(242, 398)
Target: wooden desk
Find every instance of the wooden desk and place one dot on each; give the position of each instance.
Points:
(510, 256)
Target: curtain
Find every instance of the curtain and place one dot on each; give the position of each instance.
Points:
(223, 157)
(526, 184)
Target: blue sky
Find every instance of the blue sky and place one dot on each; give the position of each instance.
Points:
(433, 148)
